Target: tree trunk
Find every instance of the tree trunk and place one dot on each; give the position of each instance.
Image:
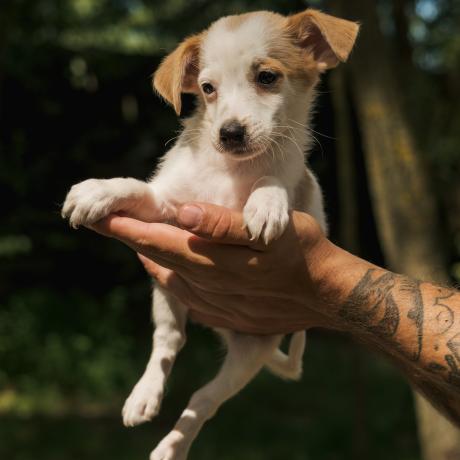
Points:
(405, 208)
(349, 240)
(399, 10)
(346, 176)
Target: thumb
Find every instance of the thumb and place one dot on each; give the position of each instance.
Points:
(216, 223)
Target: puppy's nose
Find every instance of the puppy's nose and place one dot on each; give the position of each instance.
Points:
(232, 134)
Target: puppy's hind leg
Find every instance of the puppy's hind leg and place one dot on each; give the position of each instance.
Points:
(246, 356)
(289, 366)
(169, 337)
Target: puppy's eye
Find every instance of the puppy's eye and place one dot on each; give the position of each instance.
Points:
(266, 77)
(207, 88)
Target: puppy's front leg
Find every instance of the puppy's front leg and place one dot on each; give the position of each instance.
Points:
(266, 211)
(93, 199)
(169, 337)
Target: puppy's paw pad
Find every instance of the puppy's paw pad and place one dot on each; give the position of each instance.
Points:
(143, 404)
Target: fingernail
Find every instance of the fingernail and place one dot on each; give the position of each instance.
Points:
(190, 216)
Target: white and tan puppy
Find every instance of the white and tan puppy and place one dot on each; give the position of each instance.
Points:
(245, 146)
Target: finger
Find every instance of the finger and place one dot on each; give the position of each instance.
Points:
(200, 310)
(161, 274)
(164, 243)
(181, 290)
(216, 223)
(127, 229)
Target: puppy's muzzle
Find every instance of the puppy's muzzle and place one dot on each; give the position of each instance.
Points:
(232, 136)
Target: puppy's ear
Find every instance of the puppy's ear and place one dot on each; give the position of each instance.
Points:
(329, 39)
(179, 71)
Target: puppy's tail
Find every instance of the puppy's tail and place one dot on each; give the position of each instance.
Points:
(289, 366)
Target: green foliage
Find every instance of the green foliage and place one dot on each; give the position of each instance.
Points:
(76, 102)
(55, 348)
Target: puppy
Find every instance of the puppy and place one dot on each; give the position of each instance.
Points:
(254, 76)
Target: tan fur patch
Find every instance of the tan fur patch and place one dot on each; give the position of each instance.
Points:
(234, 22)
(179, 71)
(271, 64)
(311, 42)
(328, 38)
(268, 64)
(298, 63)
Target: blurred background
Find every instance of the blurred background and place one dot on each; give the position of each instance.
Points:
(76, 102)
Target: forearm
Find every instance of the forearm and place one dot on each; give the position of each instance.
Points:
(416, 323)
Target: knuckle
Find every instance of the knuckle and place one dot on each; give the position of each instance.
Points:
(222, 226)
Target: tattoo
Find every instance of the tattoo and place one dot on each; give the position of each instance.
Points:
(444, 322)
(454, 346)
(445, 317)
(373, 298)
(415, 313)
(391, 308)
(436, 367)
(375, 295)
(388, 325)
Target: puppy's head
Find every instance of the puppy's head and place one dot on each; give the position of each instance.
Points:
(254, 74)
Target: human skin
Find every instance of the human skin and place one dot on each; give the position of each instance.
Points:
(301, 281)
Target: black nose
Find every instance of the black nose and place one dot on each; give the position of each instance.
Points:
(232, 134)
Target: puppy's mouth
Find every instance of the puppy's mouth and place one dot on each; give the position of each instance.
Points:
(244, 152)
(247, 150)
(257, 145)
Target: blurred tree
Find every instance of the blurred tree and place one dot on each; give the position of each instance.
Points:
(349, 235)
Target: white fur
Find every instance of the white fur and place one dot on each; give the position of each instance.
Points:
(262, 185)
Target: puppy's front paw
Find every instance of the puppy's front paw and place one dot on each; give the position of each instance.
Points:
(266, 213)
(143, 403)
(89, 201)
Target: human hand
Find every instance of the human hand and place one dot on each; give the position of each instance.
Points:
(229, 281)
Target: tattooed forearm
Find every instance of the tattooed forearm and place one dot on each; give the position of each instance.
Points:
(373, 305)
(443, 339)
(416, 323)
(370, 297)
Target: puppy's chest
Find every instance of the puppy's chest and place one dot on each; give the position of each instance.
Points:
(217, 188)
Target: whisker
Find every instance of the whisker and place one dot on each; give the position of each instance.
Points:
(282, 135)
(172, 139)
(281, 150)
(309, 128)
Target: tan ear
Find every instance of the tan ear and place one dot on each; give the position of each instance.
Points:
(328, 38)
(179, 71)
